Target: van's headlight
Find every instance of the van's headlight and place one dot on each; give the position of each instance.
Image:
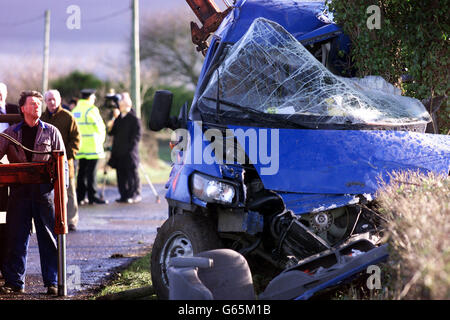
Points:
(209, 189)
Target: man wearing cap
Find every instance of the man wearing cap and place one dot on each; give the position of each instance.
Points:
(30, 201)
(93, 134)
(67, 126)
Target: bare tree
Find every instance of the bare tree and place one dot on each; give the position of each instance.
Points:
(166, 47)
(24, 73)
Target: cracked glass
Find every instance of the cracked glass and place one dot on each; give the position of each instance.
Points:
(270, 72)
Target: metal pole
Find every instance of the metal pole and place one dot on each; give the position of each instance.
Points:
(62, 285)
(61, 227)
(46, 52)
(135, 60)
(150, 183)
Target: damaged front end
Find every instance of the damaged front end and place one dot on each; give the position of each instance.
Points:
(314, 250)
(284, 158)
(331, 141)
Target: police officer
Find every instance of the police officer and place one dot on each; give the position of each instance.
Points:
(93, 134)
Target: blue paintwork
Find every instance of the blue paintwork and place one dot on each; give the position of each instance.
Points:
(301, 203)
(207, 62)
(254, 223)
(326, 32)
(308, 294)
(178, 184)
(349, 161)
(298, 18)
(324, 168)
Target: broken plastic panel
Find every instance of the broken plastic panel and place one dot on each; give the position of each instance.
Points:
(269, 71)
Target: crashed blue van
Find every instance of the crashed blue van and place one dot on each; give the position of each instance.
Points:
(279, 156)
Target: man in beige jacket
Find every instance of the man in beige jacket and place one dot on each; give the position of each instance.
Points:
(62, 119)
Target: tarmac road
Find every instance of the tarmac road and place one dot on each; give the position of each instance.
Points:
(108, 236)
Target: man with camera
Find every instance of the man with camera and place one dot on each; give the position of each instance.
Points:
(125, 127)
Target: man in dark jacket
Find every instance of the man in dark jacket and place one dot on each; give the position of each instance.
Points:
(126, 130)
(67, 126)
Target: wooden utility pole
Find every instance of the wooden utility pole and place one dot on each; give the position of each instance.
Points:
(135, 60)
(46, 52)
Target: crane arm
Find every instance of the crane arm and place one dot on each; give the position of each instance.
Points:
(210, 16)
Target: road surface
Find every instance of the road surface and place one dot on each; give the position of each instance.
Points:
(108, 236)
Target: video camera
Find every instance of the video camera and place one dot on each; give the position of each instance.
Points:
(112, 100)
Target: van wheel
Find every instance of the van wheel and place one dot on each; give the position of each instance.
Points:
(182, 235)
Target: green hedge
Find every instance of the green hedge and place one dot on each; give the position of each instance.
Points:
(413, 39)
(70, 85)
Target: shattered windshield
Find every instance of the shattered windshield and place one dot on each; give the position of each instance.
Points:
(269, 71)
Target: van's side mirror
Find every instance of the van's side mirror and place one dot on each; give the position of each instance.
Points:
(183, 116)
(160, 115)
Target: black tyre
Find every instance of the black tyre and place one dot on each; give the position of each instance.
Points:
(183, 234)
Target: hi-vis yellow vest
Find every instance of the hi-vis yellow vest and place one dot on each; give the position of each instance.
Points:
(92, 129)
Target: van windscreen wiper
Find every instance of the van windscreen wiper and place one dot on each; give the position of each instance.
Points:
(259, 115)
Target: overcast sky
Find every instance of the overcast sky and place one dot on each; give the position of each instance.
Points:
(104, 28)
(101, 20)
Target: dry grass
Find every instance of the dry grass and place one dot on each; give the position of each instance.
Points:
(418, 213)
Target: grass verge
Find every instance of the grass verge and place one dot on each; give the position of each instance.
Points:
(417, 212)
(417, 208)
(135, 275)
